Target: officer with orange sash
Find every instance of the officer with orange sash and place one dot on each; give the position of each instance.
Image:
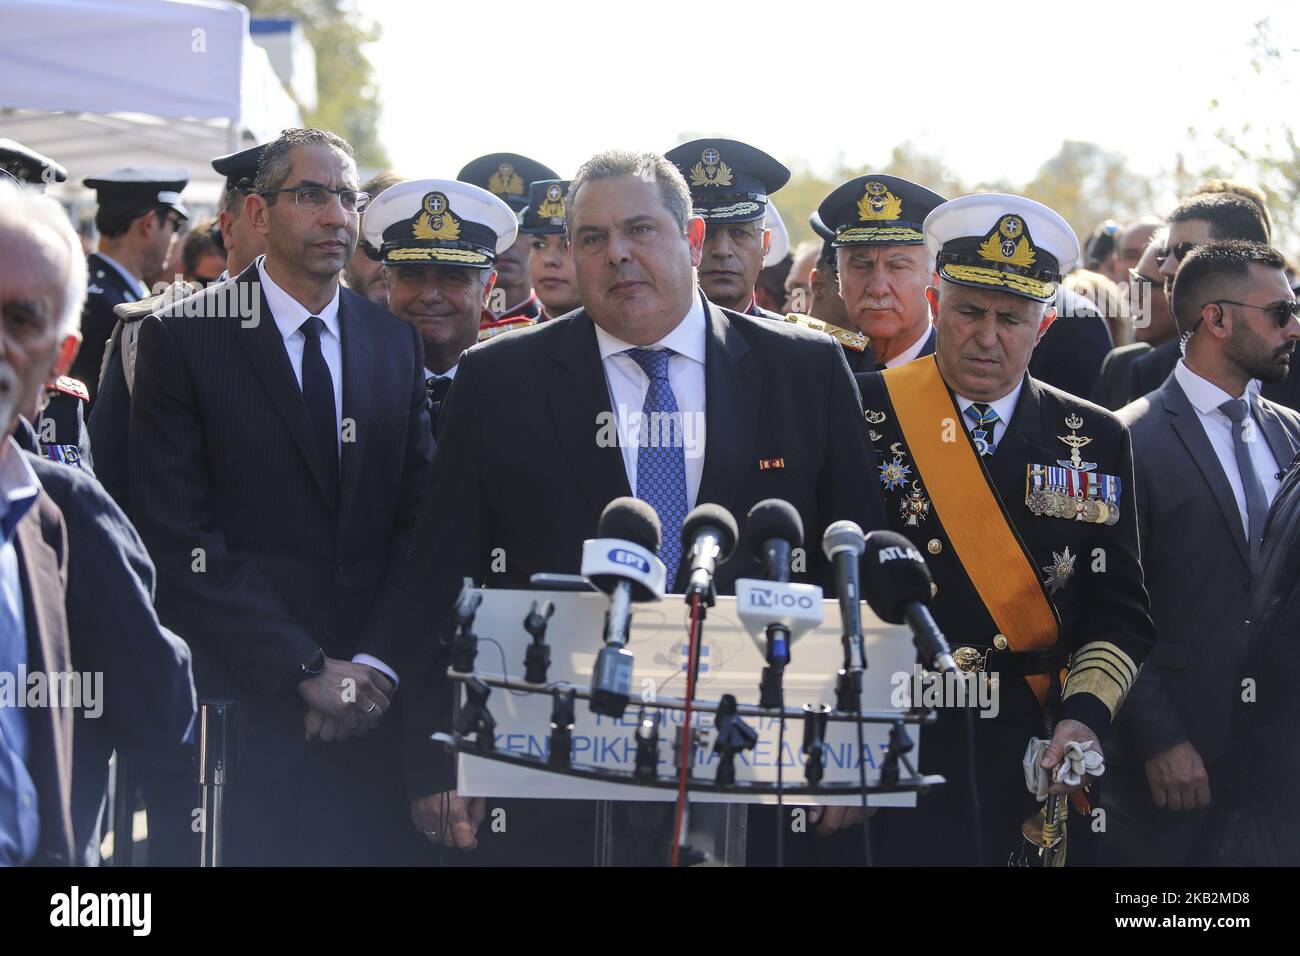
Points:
(1020, 497)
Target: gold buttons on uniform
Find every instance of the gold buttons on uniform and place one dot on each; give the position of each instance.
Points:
(934, 546)
(999, 642)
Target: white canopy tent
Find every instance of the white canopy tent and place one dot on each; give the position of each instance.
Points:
(98, 84)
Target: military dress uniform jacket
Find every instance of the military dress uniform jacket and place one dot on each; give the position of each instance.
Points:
(1089, 573)
(864, 361)
(108, 288)
(61, 425)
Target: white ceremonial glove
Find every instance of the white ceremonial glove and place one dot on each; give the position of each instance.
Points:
(1080, 761)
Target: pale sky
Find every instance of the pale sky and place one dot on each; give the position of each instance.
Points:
(992, 88)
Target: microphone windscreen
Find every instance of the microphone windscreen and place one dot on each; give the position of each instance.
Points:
(894, 575)
(715, 517)
(772, 518)
(842, 536)
(630, 519)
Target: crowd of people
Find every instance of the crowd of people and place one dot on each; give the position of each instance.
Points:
(268, 480)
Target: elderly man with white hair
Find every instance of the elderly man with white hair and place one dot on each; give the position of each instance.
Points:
(38, 266)
(105, 618)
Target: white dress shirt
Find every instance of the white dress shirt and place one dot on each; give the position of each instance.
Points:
(141, 290)
(1004, 406)
(1206, 397)
(289, 315)
(628, 386)
(913, 350)
(450, 373)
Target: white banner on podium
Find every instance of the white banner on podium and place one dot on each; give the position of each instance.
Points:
(730, 663)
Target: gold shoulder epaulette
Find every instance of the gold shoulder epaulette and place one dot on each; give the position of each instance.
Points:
(71, 386)
(846, 337)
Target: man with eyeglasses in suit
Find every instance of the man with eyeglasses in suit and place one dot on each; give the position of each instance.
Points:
(280, 447)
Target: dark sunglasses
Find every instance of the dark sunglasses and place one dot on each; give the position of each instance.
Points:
(1179, 252)
(1280, 312)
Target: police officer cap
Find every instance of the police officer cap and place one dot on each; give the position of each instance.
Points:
(142, 185)
(25, 165)
(240, 169)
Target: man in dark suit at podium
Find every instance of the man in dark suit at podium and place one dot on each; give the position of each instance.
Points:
(769, 410)
(279, 448)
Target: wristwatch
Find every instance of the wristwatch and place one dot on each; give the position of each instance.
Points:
(314, 665)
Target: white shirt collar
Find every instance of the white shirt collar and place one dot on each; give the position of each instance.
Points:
(450, 373)
(1004, 406)
(1204, 395)
(687, 337)
(289, 313)
(913, 350)
(136, 283)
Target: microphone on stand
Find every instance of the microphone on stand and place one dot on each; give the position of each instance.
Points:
(899, 589)
(708, 537)
(773, 529)
(843, 544)
(621, 561)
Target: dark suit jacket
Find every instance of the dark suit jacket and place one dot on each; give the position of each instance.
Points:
(98, 320)
(109, 425)
(1261, 827)
(258, 562)
(148, 690)
(1131, 371)
(42, 545)
(523, 413)
(1198, 574)
(1070, 354)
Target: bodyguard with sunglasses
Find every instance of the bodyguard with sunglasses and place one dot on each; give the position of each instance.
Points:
(279, 448)
(1209, 453)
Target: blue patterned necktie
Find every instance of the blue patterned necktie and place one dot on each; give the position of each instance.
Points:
(983, 420)
(661, 456)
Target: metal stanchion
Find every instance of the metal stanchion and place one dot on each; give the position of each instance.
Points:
(218, 754)
(123, 811)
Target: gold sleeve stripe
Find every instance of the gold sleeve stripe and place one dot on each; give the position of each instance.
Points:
(1103, 670)
(1099, 683)
(1106, 651)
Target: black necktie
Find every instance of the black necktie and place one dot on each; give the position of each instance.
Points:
(318, 390)
(437, 388)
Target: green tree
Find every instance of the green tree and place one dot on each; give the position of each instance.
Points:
(347, 98)
(1266, 154)
(806, 189)
(1088, 185)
